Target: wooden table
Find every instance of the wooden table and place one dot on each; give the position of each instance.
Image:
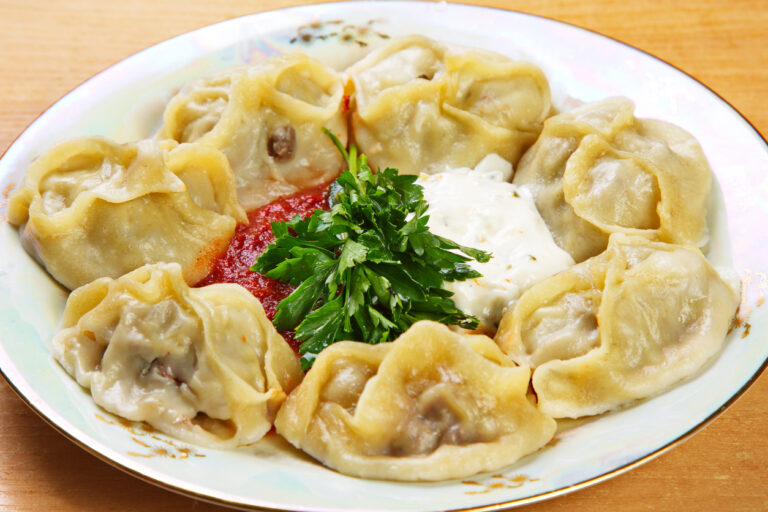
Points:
(49, 47)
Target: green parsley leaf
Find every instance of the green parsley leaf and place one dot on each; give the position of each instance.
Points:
(369, 267)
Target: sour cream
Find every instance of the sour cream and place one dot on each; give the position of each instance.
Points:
(479, 208)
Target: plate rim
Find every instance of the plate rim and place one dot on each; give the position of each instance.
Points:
(567, 489)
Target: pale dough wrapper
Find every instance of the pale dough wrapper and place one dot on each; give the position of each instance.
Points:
(202, 364)
(91, 208)
(423, 106)
(432, 405)
(598, 170)
(268, 120)
(621, 326)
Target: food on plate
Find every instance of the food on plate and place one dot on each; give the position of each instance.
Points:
(432, 405)
(414, 267)
(367, 269)
(479, 208)
(421, 105)
(202, 364)
(597, 170)
(267, 119)
(112, 208)
(624, 325)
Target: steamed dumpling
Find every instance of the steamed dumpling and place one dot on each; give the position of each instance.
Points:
(432, 405)
(202, 364)
(91, 208)
(598, 170)
(421, 106)
(268, 119)
(624, 325)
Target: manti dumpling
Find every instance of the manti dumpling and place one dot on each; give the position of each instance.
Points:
(422, 106)
(432, 405)
(598, 170)
(91, 208)
(202, 364)
(624, 325)
(268, 119)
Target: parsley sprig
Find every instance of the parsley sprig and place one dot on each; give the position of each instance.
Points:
(367, 268)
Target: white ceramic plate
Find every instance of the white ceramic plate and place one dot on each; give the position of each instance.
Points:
(125, 102)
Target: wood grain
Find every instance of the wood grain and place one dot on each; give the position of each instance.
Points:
(47, 48)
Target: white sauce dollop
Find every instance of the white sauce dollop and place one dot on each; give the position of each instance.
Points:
(480, 209)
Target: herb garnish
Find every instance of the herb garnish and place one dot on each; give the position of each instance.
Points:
(367, 268)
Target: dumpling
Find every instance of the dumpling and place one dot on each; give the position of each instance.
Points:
(202, 364)
(421, 106)
(268, 119)
(624, 325)
(198, 107)
(92, 208)
(432, 405)
(598, 170)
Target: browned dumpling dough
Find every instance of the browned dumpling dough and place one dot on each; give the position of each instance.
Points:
(202, 364)
(598, 170)
(624, 325)
(91, 208)
(423, 106)
(432, 405)
(268, 119)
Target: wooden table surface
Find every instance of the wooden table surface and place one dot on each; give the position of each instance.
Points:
(49, 47)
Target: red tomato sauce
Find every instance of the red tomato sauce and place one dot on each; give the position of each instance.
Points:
(250, 241)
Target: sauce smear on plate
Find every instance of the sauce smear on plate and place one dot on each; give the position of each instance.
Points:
(233, 266)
